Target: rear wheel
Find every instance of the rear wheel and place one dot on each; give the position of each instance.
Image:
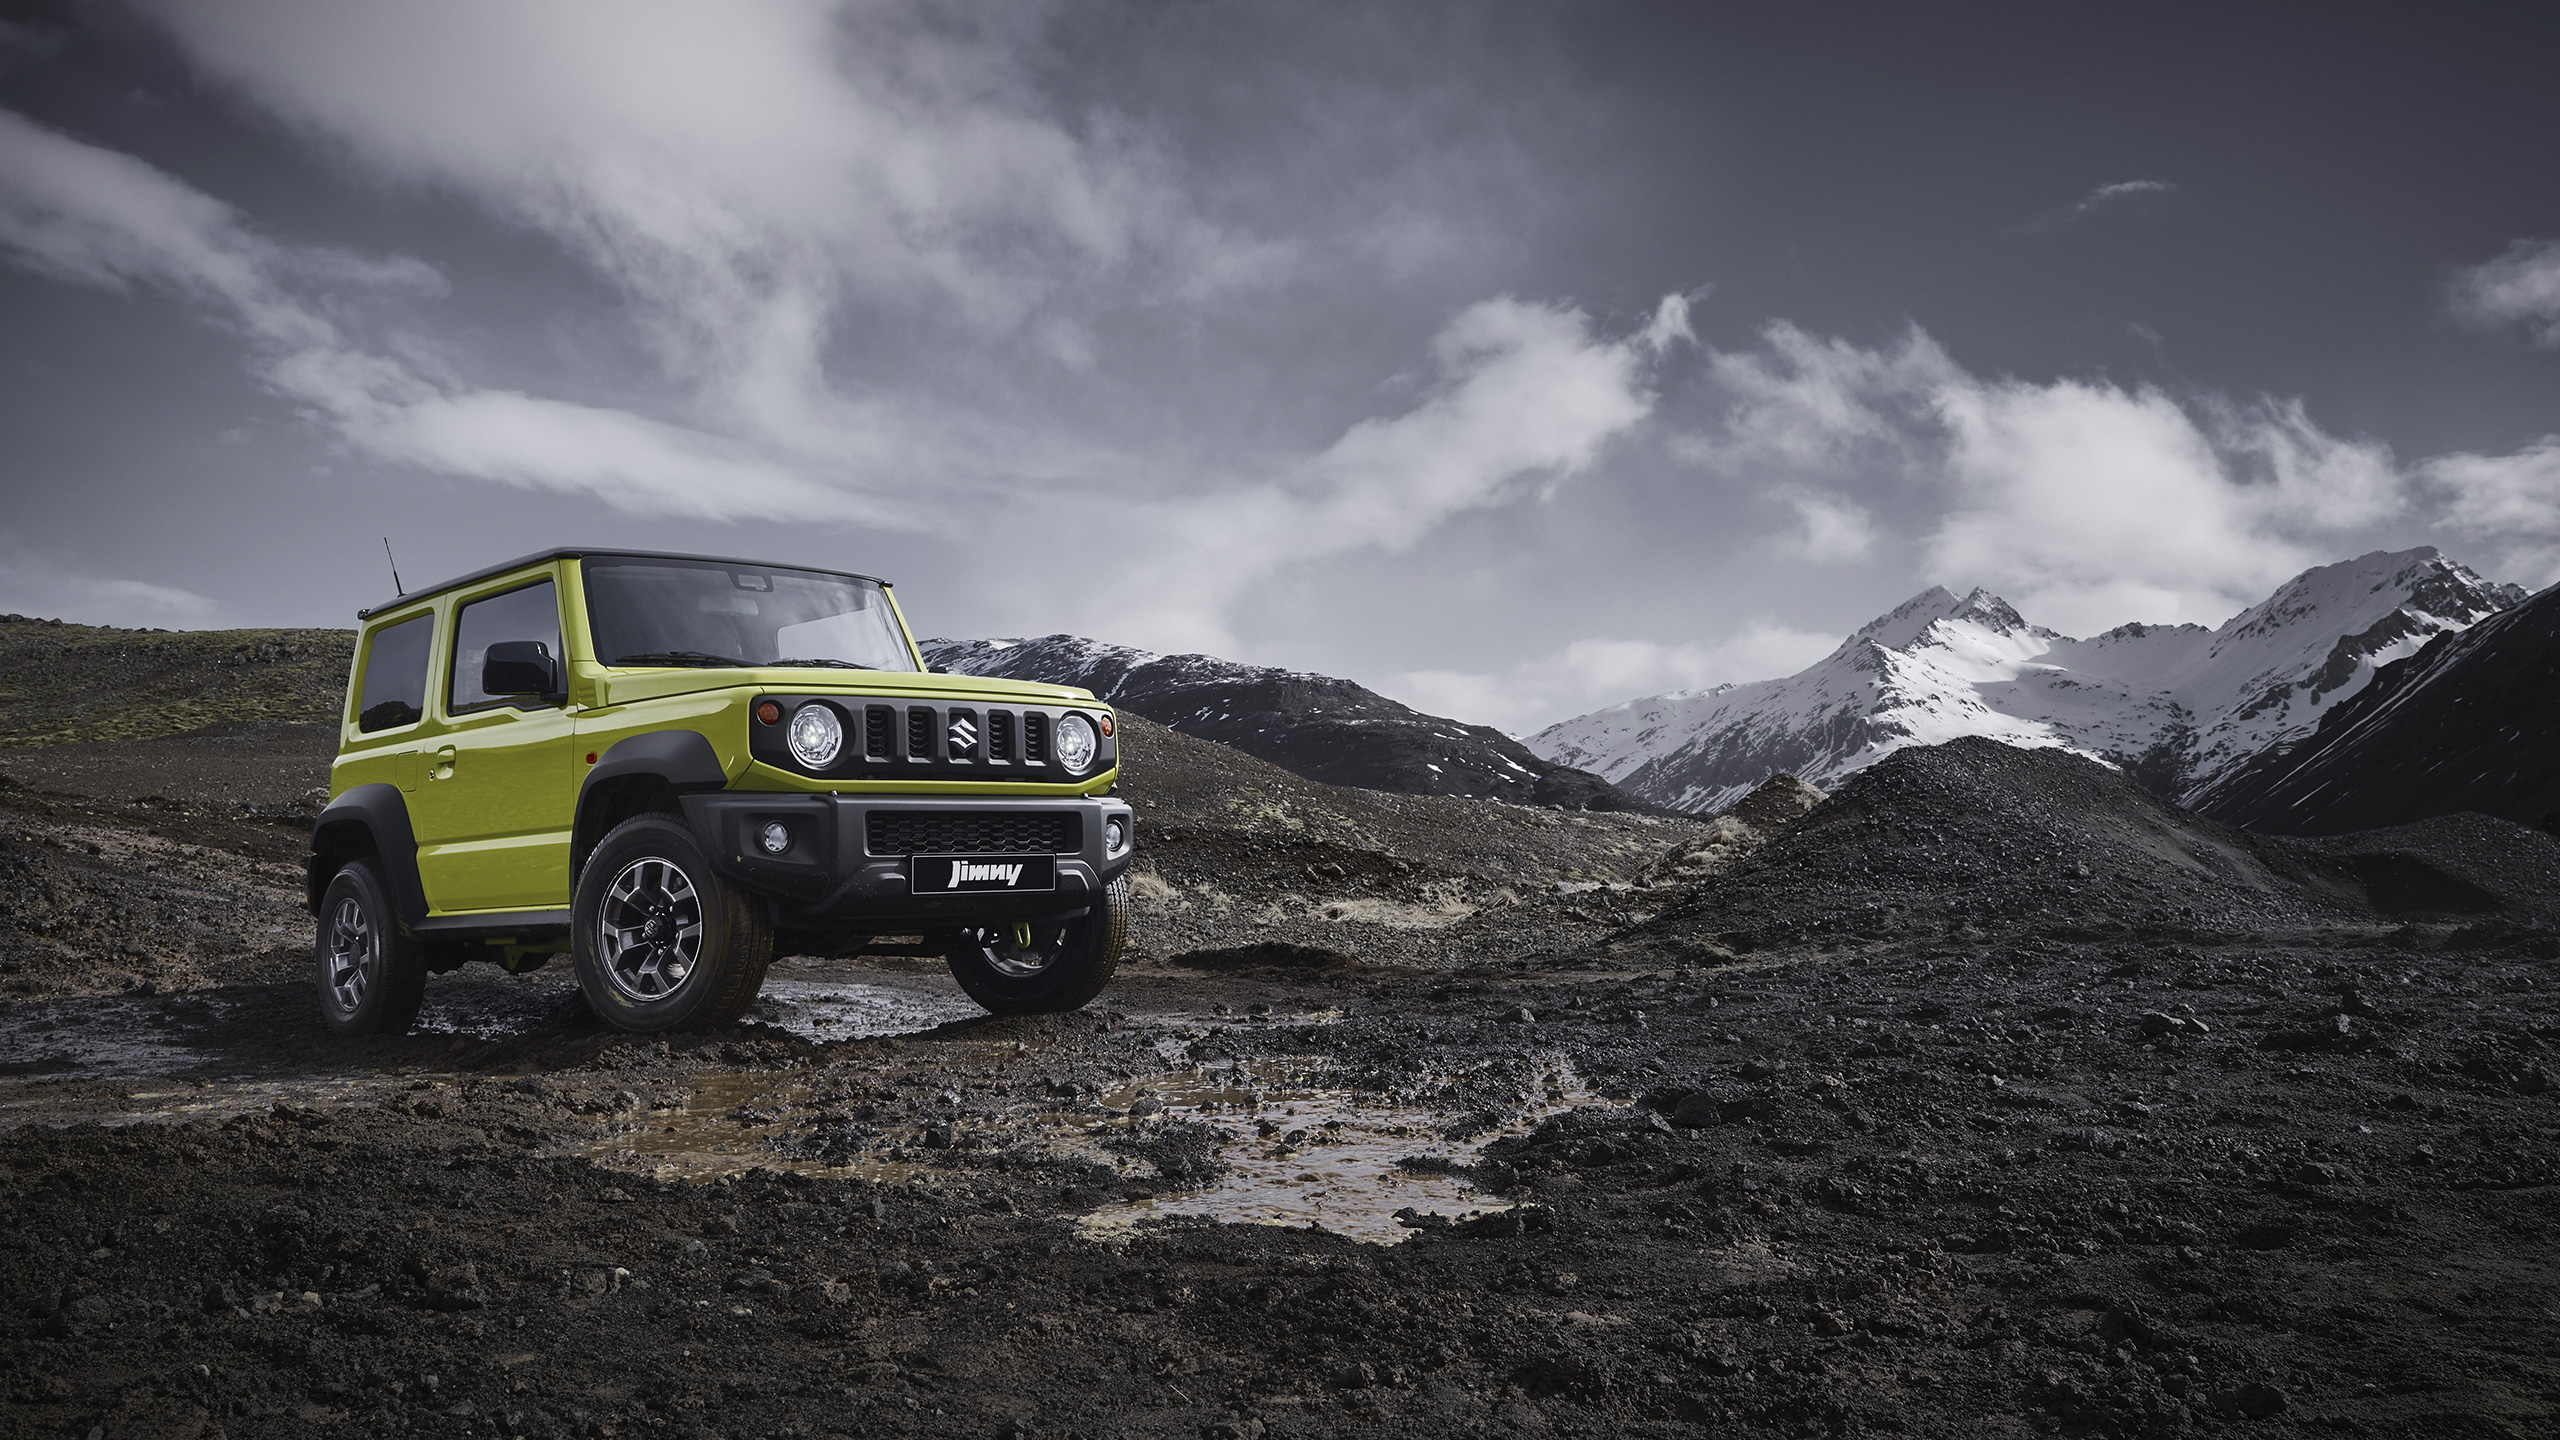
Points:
(662, 942)
(1032, 968)
(371, 974)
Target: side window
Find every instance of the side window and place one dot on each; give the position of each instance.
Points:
(395, 676)
(531, 613)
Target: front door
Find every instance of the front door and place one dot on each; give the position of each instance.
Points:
(494, 809)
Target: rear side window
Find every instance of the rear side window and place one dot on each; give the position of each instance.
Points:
(395, 675)
(532, 613)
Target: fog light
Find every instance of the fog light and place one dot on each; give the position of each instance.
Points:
(1115, 834)
(776, 837)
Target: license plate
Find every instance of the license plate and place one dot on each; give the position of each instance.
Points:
(949, 874)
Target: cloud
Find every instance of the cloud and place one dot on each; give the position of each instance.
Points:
(33, 585)
(1835, 528)
(1520, 397)
(2122, 195)
(2086, 503)
(92, 216)
(1523, 397)
(2520, 287)
(2510, 502)
(1591, 673)
(761, 181)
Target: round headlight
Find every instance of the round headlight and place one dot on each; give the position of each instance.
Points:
(1076, 744)
(817, 736)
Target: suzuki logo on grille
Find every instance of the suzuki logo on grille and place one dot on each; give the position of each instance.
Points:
(962, 873)
(964, 734)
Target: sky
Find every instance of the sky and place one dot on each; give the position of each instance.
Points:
(1514, 359)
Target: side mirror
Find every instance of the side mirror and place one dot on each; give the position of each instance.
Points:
(519, 667)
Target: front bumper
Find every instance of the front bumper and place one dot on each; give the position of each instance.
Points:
(830, 879)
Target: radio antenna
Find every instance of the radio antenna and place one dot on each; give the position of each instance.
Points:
(396, 586)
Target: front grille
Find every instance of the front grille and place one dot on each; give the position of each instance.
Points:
(973, 832)
(999, 736)
(920, 744)
(879, 732)
(1035, 739)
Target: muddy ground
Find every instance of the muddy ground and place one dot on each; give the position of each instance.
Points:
(1407, 1116)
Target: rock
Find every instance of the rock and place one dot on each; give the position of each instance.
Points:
(1760, 1069)
(1698, 1111)
(2089, 1138)
(2257, 1401)
(1826, 1322)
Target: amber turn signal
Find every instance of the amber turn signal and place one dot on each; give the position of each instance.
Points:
(769, 712)
(1106, 722)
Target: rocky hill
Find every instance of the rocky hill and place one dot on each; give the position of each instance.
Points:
(2469, 723)
(1316, 726)
(2178, 706)
(61, 683)
(1975, 840)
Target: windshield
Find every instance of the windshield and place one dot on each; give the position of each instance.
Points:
(691, 612)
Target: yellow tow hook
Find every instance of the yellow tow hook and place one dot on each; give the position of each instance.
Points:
(1022, 936)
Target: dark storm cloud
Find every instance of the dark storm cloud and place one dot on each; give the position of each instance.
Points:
(1335, 338)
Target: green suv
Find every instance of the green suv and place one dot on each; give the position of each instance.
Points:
(670, 766)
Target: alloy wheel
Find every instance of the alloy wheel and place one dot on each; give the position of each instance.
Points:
(649, 929)
(352, 955)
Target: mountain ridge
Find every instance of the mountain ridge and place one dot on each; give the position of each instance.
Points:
(2177, 706)
(1319, 727)
(2469, 722)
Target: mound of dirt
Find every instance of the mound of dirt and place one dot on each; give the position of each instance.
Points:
(2466, 865)
(1977, 836)
(146, 896)
(1734, 834)
(1237, 852)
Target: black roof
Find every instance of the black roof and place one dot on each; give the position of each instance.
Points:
(574, 552)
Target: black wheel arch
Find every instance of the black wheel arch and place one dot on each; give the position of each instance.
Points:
(367, 820)
(641, 774)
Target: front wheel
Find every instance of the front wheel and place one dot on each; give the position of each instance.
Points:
(662, 942)
(1035, 968)
(372, 975)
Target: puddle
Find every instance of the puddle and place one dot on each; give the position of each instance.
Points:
(104, 1037)
(819, 1010)
(1300, 1154)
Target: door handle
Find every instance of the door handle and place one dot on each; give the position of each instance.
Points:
(441, 767)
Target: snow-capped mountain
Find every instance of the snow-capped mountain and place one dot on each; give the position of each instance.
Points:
(1318, 726)
(2470, 722)
(2175, 705)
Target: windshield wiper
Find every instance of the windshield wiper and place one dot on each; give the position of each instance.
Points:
(678, 657)
(823, 664)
